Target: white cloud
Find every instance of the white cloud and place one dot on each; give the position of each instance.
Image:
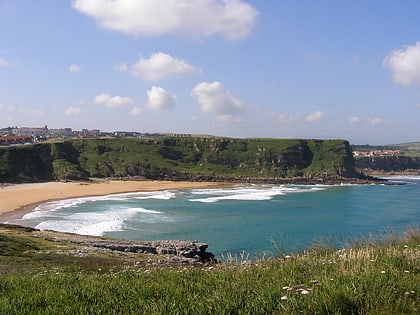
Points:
(232, 19)
(214, 98)
(283, 118)
(112, 101)
(371, 121)
(121, 67)
(84, 102)
(314, 117)
(160, 99)
(6, 108)
(135, 111)
(74, 68)
(158, 67)
(405, 65)
(72, 111)
(355, 120)
(378, 121)
(4, 63)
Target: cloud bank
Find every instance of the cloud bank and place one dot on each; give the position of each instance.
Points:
(405, 65)
(215, 98)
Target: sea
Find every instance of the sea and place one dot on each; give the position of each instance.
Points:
(247, 219)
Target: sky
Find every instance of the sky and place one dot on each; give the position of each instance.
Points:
(323, 69)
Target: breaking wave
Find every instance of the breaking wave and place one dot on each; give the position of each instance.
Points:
(254, 193)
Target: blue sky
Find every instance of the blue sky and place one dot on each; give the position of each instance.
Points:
(239, 68)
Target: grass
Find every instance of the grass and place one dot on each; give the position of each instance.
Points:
(371, 278)
(171, 157)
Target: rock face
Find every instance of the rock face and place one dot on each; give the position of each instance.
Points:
(388, 164)
(181, 251)
(178, 251)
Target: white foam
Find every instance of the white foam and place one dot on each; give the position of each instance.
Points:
(162, 195)
(98, 229)
(93, 223)
(142, 210)
(58, 205)
(255, 193)
(402, 177)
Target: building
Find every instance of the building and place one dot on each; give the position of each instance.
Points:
(12, 140)
(31, 132)
(62, 132)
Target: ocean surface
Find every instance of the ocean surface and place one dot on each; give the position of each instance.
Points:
(243, 219)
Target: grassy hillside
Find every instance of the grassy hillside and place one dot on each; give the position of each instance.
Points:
(177, 158)
(42, 276)
(409, 149)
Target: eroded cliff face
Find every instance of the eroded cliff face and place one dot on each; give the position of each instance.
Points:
(388, 164)
(195, 158)
(26, 163)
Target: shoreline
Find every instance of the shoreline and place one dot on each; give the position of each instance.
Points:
(20, 199)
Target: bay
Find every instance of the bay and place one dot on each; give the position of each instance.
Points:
(249, 219)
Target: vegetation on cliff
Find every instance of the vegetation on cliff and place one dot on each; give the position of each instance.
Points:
(177, 158)
(41, 276)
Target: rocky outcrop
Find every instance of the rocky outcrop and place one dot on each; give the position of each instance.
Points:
(180, 251)
(177, 251)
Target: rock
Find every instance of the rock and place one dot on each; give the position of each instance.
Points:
(178, 251)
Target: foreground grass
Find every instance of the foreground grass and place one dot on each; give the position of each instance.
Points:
(373, 279)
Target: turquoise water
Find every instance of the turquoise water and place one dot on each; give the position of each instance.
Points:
(244, 218)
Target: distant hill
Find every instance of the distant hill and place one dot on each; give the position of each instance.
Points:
(190, 158)
(409, 149)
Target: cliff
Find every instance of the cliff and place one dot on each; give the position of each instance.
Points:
(388, 164)
(195, 158)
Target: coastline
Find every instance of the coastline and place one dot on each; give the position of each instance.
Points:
(19, 199)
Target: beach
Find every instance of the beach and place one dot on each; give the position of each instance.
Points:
(18, 199)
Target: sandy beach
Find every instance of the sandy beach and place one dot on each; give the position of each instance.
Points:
(16, 200)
